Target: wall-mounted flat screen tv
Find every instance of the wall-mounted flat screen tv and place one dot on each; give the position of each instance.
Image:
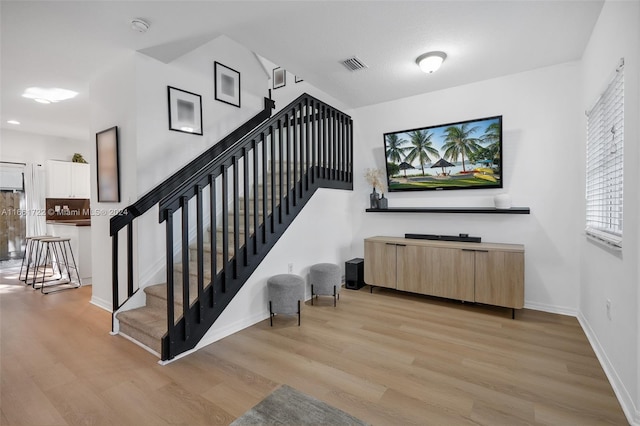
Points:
(462, 155)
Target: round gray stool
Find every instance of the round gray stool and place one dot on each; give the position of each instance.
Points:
(286, 292)
(325, 280)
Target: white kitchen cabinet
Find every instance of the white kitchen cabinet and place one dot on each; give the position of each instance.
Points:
(68, 180)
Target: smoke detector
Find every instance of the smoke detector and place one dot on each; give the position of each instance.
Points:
(140, 25)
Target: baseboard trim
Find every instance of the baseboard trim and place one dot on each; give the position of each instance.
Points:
(222, 333)
(552, 309)
(232, 328)
(101, 303)
(628, 407)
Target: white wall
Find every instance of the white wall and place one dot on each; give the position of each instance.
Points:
(113, 101)
(291, 90)
(542, 136)
(320, 233)
(133, 95)
(607, 275)
(24, 147)
(161, 152)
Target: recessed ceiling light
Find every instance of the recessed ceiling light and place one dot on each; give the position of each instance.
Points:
(431, 61)
(48, 95)
(140, 25)
(16, 122)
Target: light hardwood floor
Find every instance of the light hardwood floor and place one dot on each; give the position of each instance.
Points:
(387, 358)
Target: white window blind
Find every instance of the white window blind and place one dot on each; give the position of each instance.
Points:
(605, 157)
(11, 177)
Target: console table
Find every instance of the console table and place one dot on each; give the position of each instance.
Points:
(488, 273)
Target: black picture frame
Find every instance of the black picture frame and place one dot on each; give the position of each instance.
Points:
(185, 111)
(108, 165)
(227, 84)
(279, 77)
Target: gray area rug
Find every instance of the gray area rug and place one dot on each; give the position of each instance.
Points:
(287, 406)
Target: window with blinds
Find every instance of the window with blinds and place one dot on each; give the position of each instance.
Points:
(605, 157)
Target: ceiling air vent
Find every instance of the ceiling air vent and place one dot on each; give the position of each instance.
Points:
(354, 64)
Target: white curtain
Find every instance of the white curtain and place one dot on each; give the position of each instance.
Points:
(34, 190)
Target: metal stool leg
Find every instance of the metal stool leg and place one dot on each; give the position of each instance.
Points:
(38, 262)
(25, 259)
(73, 265)
(32, 261)
(64, 258)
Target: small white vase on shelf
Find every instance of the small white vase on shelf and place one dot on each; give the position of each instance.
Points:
(502, 201)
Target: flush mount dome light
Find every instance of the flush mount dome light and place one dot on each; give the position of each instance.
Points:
(15, 122)
(50, 95)
(431, 61)
(140, 25)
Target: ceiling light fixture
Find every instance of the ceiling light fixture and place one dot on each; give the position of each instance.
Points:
(431, 61)
(140, 25)
(50, 95)
(16, 122)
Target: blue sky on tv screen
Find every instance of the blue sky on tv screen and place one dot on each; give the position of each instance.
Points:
(439, 133)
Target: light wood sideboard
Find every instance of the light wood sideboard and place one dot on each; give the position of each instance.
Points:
(489, 273)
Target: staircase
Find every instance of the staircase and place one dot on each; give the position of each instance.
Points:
(148, 324)
(225, 211)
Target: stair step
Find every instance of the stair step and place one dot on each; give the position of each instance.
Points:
(147, 325)
(206, 248)
(157, 296)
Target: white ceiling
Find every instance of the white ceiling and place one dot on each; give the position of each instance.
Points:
(65, 44)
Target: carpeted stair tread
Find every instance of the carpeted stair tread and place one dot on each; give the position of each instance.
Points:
(159, 292)
(147, 325)
(206, 250)
(151, 320)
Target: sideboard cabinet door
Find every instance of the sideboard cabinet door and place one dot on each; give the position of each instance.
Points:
(500, 278)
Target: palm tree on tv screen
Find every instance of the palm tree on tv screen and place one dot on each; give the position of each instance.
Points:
(492, 137)
(459, 143)
(421, 147)
(395, 150)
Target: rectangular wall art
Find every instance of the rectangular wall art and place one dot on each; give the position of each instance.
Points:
(185, 111)
(108, 165)
(279, 78)
(227, 84)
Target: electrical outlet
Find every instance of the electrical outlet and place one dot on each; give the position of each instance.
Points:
(290, 268)
(609, 309)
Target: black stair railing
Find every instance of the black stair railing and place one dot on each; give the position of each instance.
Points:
(242, 202)
(127, 217)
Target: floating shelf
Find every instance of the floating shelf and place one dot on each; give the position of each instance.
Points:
(490, 210)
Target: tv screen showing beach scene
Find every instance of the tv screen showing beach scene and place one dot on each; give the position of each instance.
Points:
(462, 155)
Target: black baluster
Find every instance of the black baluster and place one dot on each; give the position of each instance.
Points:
(213, 237)
(184, 204)
(115, 298)
(225, 228)
(200, 249)
(130, 259)
(170, 299)
(236, 216)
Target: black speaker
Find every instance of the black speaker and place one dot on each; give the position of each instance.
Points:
(354, 273)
